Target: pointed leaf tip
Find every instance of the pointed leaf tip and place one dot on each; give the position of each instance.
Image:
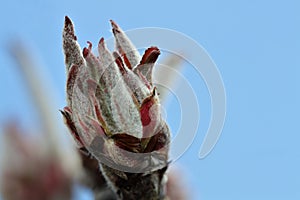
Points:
(124, 46)
(67, 20)
(69, 28)
(101, 41)
(71, 47)
(115, 27)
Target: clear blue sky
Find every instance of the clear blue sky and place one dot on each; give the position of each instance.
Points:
(256, 46)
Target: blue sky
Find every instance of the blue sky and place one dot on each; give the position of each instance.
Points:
(255, 45)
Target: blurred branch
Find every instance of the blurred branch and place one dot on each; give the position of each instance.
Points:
(43, 98)
(38, 87)
(29, 170)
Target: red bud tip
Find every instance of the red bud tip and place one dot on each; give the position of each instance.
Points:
(150, 55)
(85, 52)
(114, 26)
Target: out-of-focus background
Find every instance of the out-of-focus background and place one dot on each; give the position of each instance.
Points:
(255, 45)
